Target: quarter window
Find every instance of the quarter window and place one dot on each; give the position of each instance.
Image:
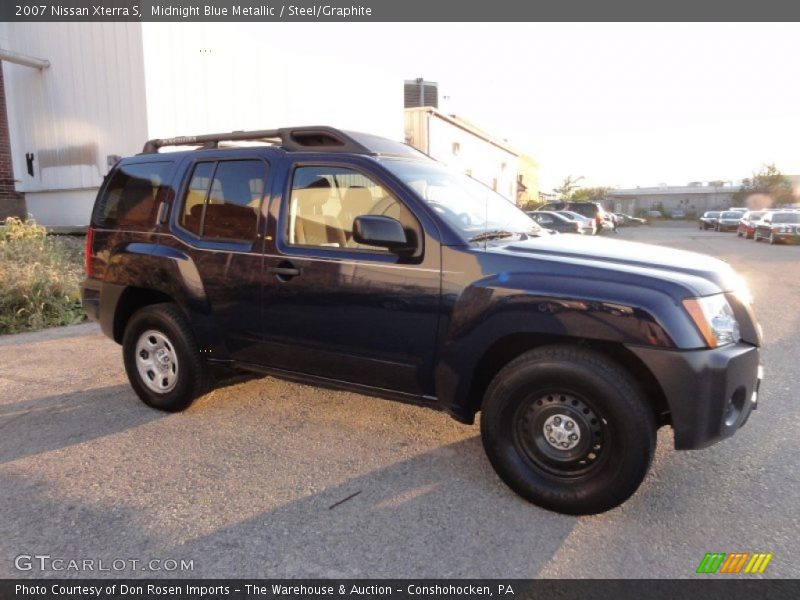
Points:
(224, 198)
(130, 199)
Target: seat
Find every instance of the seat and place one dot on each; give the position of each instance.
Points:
(230, 221)
(356, 201)
(311, 227)
(193, 210)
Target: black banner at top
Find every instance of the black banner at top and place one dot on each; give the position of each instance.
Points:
(398, 10)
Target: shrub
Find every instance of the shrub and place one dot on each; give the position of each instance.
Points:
(40, 278)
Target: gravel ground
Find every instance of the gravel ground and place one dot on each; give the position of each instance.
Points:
(246, 482)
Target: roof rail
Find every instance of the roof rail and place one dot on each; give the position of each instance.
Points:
(292, 139)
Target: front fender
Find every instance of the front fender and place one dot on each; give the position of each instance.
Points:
(506, 305)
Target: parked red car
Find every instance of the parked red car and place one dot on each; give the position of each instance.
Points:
(747, 224)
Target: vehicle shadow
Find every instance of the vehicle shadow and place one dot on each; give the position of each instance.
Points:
(31, 427)
(420, 517)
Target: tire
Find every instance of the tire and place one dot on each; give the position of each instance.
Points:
(176, 372)
(615, 425)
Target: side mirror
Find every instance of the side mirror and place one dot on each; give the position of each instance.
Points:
(377, 230)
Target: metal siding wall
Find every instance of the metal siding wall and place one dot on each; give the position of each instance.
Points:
(88, 104)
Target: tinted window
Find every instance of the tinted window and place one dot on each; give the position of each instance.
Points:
(192, 213)
(786, 218)
(129, 201)
(224, 198)
(325, 201)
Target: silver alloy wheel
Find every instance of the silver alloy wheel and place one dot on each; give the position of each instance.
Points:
(157, 361)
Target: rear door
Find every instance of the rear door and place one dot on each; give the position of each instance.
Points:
(217, 222)
(338, 310)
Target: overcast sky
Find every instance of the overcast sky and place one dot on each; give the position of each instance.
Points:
(620, 104)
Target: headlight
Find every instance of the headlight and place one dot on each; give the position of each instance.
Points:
(714, 318)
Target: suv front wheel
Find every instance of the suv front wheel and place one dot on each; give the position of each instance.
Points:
(162, 359)
(568, 430)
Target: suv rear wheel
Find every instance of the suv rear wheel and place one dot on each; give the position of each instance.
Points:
(162, 359)
(568, 430)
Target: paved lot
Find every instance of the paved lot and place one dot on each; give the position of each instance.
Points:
(242, 483)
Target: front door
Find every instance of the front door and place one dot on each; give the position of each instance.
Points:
(340, 310)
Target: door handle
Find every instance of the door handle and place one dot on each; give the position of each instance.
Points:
(284, 271)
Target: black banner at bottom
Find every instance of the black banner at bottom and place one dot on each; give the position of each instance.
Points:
(397, 589)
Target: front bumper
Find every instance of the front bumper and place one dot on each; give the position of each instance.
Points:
(786, 237)
(710, 393)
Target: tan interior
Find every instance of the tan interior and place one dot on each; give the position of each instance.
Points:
(310, 226)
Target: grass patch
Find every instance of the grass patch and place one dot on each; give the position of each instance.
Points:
(40, 278)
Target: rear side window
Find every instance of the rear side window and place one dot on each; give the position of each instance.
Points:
(223, 199)
(131, 198)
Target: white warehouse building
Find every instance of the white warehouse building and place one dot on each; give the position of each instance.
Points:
(462, 145)
(111, 86)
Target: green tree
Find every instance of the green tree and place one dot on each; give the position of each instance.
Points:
(567, 187)
(769, 181)
(590, 193)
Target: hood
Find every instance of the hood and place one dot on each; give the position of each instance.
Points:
(692, 269)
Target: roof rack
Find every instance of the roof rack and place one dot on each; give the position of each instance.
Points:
(292, 139)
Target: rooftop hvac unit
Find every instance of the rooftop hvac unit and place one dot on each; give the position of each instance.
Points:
(419, 92)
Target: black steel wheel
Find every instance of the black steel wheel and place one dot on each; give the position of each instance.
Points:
(561, 433)
(568, 429)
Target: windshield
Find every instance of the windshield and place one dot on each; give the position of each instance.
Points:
(711, 214)
(473, 209)
(786, 218)
(731, 215)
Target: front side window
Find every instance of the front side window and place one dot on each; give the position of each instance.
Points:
(325, 201)
(129, 201)
(223, 199)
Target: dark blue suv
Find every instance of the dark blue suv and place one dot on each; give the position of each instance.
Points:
(351, 261)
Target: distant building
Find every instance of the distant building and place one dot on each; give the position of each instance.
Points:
(527, 180)
(695, 198)
(460, 144)
(109, 87)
